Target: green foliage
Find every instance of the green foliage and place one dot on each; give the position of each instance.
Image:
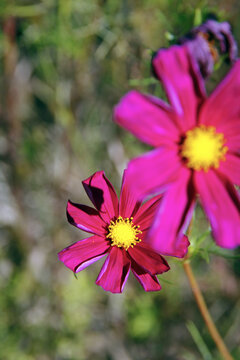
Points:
(203, 349)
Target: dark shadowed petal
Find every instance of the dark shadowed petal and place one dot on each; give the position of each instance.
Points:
(153, 171)
(145, 215)
(83, 253)
(173, 216)
(231, 168)
(146, 119)
(85, 218)
(223, 106)
(182, 81)
(115, 271)
(102, 194)
(221, 204)
(128, 203)
(147, 258)
(149, 282)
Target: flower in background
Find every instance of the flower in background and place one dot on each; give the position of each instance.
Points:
(119, 229)
(197, 142)
(202, 44)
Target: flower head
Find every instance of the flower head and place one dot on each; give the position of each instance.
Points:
(201, 43)
(197, 141)
(119, 229)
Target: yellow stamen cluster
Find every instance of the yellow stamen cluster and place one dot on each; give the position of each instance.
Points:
(123, 233)
(203, 148)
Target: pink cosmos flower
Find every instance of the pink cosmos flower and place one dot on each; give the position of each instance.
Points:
(118, 229)
(197, 141)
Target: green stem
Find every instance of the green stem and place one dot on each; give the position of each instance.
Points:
(205, 313)
(202, 305)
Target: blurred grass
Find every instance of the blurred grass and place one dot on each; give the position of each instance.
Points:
(64, 64)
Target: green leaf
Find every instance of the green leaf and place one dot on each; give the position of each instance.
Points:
(143, 82)
(197, 17)
(201, 345)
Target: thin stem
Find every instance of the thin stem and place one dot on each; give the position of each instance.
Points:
(204, 311)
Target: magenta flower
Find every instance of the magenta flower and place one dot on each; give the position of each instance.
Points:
(118, 230)
(197, 142)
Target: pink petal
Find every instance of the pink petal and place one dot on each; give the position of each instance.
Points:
(85, 218)
(182, 247)
(182, 81)
(223, 106)
(221, 204)
(148, 259)
(154, 171)
(231, 134)
(83, 253)
(231, 168)
(171, 220)
(148, 282)
(145, 215)
(128, 203)
(146, 119)
(115, 271)
(233, 143)
(102, 194)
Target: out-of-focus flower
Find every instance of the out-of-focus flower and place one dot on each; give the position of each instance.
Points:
(202, 43)
(119, 229)
(197, 142)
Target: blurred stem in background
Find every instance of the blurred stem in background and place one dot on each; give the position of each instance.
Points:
(202, 304)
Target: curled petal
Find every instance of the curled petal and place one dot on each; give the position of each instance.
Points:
(182, 247)
(149, 282)
(115, 271)
(221, 204)
(85, 218)
(102, 195)
(83, 253)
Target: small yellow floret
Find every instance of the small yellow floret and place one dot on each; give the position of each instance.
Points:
(204, 148)
(123, 233)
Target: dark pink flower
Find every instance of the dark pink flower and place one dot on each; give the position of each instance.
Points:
(197, 141)
(119, 229)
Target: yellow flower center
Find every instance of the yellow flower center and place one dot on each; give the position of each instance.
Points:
(123, 233)
(203, 148)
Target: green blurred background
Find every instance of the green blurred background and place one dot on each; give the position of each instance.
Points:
(64, 64)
